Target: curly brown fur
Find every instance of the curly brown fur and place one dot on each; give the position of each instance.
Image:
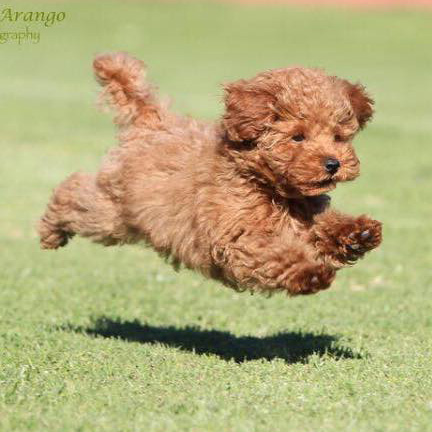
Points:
(243, 200)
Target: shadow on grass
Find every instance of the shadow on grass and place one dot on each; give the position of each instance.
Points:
(293, 347)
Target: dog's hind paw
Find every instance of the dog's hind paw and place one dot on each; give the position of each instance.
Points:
(52, 237)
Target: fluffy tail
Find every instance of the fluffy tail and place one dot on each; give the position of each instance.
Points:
(123, 78)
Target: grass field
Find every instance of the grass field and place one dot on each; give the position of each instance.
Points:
(113, 340)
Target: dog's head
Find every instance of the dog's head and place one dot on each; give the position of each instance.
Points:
(292, 129)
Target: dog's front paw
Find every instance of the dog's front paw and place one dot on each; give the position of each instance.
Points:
(310, 279)
(363, 235)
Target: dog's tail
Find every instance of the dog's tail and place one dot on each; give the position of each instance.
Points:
(126, 90)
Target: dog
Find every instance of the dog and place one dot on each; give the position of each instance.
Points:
(243, 200)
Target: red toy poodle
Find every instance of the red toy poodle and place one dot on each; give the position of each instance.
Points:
(242, 201)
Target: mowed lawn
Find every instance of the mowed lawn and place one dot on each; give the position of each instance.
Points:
(113, 340)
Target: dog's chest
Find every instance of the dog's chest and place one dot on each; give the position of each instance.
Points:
(298, 215)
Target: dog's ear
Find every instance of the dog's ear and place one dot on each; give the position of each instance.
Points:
(361, 102)
(249, 110)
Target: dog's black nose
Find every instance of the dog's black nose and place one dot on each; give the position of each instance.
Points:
(332, 165)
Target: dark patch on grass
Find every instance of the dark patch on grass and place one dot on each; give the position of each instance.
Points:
(293, 347)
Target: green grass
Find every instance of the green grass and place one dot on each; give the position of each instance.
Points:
(95, 339)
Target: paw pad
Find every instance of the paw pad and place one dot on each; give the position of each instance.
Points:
(366, 235)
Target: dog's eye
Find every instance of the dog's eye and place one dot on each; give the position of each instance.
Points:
(298, 138)
(338, 138)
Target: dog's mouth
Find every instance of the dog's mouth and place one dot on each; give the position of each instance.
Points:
(325, 183)
(317, 188)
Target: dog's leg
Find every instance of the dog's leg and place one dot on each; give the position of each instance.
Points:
(79, 206)
(341, 239)
(269, 264)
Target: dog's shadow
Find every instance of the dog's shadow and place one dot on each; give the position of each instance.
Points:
(292, 347)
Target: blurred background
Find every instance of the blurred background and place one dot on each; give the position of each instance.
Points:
(378, 312)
